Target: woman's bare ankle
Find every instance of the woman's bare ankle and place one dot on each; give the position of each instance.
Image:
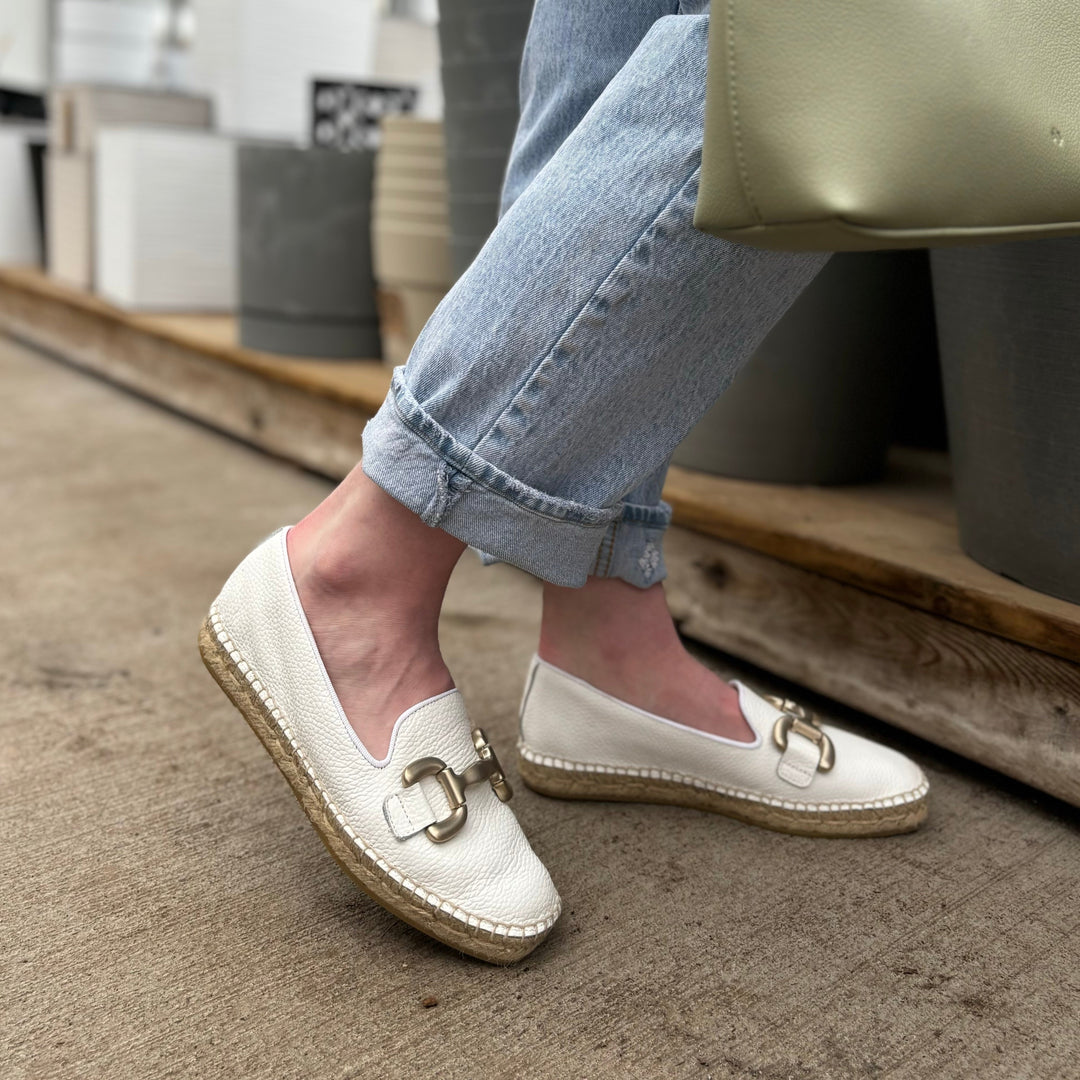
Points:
(622, 640)
(371, 578)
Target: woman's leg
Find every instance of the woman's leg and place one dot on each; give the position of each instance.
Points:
(621, 639)
(589, 335)
(573, 50)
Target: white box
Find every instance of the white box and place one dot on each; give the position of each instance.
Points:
(69, 182)
(258, 58)
(112, 41)
(165, 219)
(134, 20)
(19, 239)
(24, 45)
(107, 61)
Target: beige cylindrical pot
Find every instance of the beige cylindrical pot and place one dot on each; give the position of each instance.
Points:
(410, 231)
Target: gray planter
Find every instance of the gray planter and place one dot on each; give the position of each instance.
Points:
(488, 82)
(481, 43)
(474, 29)
(485, 129)
(816, 402)
(477, 172)
(474, 217)
(1009, 327)
(463, 250)
(306, 285)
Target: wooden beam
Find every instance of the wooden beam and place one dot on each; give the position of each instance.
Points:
(361, 383)
(311, 412)
(862, 593)
(1001, 703)
(897, 539)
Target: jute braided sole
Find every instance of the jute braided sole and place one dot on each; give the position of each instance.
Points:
(608, 787)
(348, 850)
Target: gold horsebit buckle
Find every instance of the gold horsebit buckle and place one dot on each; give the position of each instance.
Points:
(454, 784)
(796, 718)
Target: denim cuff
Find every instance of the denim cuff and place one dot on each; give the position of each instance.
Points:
(419, 463)
(633, 546)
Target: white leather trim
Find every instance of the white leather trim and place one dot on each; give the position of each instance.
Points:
(568, 724)
(379, 763)
(695, 781)
(538, 661)
(408, 812)
(799, 762)
(363, 849)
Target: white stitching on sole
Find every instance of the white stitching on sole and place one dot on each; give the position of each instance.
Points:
(393, 876)
(691, 781)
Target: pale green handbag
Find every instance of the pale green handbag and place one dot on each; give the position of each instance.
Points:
(844, 125)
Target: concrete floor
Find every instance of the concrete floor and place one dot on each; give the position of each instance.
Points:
(167, 910)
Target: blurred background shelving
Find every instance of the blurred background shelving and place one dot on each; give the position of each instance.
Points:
(247, 209)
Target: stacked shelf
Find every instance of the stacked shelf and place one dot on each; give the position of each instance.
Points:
(861, 593)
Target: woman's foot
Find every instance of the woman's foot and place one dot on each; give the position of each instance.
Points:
(610, 677)
(622, 640)
(426, 832)
(797, 776)
(371, 578)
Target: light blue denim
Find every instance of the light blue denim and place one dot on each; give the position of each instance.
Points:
(538, 410)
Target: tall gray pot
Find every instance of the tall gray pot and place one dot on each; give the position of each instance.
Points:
(481, 42)
(816, 402)
(1009, 326)
(306, 282)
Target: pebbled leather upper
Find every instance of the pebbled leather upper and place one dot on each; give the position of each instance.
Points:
(572, 722)
(487, 872)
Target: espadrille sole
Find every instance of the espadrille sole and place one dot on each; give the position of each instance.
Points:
(426, 912)
(611, 786)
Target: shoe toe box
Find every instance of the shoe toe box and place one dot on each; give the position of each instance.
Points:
(866, 774)
(486, 876)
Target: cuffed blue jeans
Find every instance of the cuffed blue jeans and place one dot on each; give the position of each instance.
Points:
(538, 410)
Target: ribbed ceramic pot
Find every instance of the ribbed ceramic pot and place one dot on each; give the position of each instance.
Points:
(816, 402)
(306, 282)
(481, 42)
(410, 231)
(1009, 327)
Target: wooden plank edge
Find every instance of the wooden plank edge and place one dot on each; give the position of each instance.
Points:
(318, 433)
(982, 611)
(34, 284)
(1000, 703)
(964, 604)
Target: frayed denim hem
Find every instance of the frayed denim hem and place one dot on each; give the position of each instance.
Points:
(421, 465)
(632, 548)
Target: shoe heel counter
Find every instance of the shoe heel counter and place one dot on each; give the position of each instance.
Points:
(553, 713)
(250, 588)
(527, 708)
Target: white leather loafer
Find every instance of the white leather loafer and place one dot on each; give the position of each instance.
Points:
(797, 776)
(426, 832)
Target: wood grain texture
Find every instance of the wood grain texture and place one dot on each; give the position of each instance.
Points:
(33, 298)
(897, 539)
(169, 912)
(167, 360)
(1001, 703)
